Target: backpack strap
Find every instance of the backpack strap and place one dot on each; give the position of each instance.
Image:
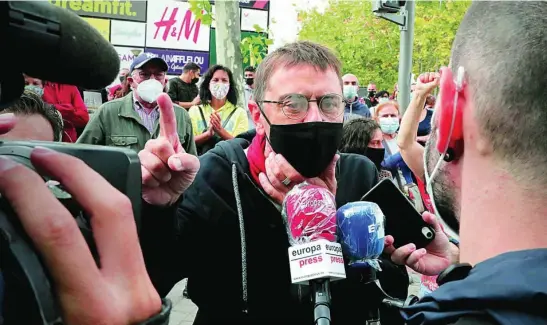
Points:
(229, 117)
(202, 118)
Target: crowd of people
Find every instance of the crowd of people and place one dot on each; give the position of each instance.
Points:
(216, 169)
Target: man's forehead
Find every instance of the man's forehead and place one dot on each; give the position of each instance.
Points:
(349, 77)
(152, 66)
(303, 79)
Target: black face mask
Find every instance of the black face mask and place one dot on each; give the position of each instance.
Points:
(308, 147)
(371, 93)
(122, 79)
(195, 81)
(249, 81)
(376, 155)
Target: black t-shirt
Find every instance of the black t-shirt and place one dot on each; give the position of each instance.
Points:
(181, 91)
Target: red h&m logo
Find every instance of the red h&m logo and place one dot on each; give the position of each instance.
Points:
(170, 30)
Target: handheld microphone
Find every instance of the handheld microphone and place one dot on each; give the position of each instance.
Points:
(71, 51)
(309, 212)
(361, 233)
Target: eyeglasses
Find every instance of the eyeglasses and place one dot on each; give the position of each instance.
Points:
(146, 75)
(295, 106)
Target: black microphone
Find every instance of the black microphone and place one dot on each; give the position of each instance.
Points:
(54, 44)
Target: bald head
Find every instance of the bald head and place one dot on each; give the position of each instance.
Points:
(350, 79)
(503, 48)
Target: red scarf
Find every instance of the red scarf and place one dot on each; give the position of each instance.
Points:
(425, 196)
(255, 156)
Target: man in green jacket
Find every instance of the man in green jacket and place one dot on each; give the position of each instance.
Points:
(131, 121)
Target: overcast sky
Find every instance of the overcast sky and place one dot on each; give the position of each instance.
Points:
(283, 18)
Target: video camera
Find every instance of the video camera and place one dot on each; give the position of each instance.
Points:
(29, 296)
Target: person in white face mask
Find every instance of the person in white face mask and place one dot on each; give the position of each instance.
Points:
(218, 117)
(132, 120)
(355, 106)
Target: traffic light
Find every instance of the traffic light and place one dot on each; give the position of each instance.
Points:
(387, 6)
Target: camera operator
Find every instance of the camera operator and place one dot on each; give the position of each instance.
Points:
(491, 114)
(120, 292)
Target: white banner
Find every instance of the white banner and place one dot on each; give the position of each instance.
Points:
(251, 17)
(127, 33)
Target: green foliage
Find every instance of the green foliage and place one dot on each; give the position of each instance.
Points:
(254, 46)
(203, 10)
(368, 46)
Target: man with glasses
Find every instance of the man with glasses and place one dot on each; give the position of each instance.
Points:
(134, 119)
(227, 235)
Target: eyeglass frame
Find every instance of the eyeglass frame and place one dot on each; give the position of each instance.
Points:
(140, 72)
(317, 100)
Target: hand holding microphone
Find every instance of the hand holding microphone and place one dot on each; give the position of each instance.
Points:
(315, 258)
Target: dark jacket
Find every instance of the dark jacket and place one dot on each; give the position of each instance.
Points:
(203, 243)
(356, 108)
(508, 289)
(117, 124)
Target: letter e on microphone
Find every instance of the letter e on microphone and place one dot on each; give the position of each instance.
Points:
(318, 259)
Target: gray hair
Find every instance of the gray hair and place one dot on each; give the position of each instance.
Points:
(503, 47)
(290, 55)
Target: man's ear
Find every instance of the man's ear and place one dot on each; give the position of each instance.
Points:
(255, 114)
(449, 117)
(130, 80)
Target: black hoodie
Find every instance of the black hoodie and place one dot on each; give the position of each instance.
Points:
(245, 279)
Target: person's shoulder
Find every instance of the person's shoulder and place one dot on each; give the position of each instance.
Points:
(112, 106)
(216, 164)
(356, 162)
(174, 81)
(182, 113)
(355, 175)
(240, 110)
(475, 320)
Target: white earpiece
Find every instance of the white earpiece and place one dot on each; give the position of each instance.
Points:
(459, 78)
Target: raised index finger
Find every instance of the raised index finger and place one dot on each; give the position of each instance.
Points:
(168, 120)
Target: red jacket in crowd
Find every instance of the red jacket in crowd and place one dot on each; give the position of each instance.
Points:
(68, 101)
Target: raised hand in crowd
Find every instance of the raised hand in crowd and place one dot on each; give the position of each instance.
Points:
(432, 259)
(426, 83)
(167, 170)
(120, 291)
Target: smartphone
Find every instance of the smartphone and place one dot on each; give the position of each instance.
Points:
(402, 220)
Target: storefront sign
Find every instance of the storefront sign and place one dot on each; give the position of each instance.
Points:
(250, 18)
(259, 4)
(171, 25)
(127, 33)
(114, 9)
(127, 55)
(101, 25)
(177, 59)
